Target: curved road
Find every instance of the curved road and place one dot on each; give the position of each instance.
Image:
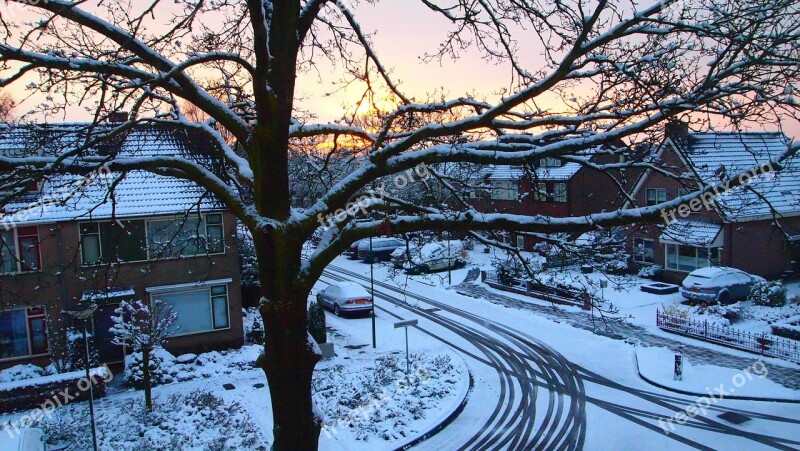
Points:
(542, 398)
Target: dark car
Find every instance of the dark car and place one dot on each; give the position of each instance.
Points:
(382, 249)
(352, 251)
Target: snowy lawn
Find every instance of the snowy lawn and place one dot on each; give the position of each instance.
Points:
(366, 397)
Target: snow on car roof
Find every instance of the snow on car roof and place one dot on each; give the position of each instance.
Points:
(712, 271)
(351, 289)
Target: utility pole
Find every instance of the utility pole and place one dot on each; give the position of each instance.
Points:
(372, 292)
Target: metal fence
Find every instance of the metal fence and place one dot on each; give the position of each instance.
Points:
(558, 295)
(764, 343)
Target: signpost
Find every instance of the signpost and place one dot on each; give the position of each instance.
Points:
(372, 292)
(678, 367)
(406, 325)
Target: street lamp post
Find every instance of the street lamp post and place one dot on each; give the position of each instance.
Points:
(372, 292)
(84, 315)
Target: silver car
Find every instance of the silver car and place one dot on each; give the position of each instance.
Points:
(345, 297)
(718, 285)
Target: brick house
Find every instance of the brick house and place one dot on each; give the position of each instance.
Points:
(66, 242)
(553, 187)
(754, 228)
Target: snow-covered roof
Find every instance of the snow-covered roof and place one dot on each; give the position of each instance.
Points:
(513, 173)
(714, 155)
(693, 233)
(137, 193)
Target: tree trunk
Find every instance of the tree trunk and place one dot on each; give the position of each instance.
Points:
(288, 360)
(148, 388)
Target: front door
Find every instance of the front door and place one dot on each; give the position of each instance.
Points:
(109, 352)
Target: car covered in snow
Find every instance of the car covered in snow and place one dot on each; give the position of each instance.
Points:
(29, 439)
(400, 255)
(713, 285)
(345, 297)
(382, 249)
(437, 256)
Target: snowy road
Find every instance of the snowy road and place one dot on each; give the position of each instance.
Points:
(528, 395)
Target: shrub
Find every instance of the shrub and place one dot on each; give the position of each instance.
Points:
(651, 272)
(76, 350)
(675, 310)
(160, 363)
(316, 322)
(768, 294)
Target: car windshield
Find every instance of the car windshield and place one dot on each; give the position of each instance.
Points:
(694, 279)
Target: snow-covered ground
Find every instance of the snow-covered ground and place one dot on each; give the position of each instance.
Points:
(365, 395)
(622, 410)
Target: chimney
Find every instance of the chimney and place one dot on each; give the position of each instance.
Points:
(117, 117)
(678, 131)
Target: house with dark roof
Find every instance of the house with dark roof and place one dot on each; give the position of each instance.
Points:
(754, 226)
(70, 240)
(553, 187)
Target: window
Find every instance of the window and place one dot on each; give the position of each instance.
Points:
(23, 332)
(560, 192)
(540, 193)
(643, 250)
(655, 196)
(503, 190)
(198, 310)
(520, 242)
(113, 242)
(140, 240)
(550, 162)
(20, 250)
(185, 236)
(689, 258)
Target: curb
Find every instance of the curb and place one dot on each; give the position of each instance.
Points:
(446, 422)
(689, 393)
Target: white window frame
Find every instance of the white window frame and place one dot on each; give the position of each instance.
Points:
(657, 191)
(201, 286)
(636, 256)
(504, 190)
(149, 257)
(676, 268)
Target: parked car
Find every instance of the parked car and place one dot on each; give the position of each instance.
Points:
(31, 439)
(345, 297)
(382, 249)
(717, 285)
(438, 256)
(352, 251)
(400, 255)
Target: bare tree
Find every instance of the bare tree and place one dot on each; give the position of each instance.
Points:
(7, 104)
(618, 68)
(143, 327)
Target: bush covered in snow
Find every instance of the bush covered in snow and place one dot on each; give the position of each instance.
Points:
(383, 402)
(768, 293)
(196, 420)
(76, 351)
(161, 362)
(253, 326)
(22, 372)
(651, 272)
